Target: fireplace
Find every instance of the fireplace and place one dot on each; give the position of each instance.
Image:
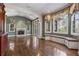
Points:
(21, 31)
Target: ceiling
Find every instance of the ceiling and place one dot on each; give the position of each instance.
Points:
(33, 10)
(43, 8)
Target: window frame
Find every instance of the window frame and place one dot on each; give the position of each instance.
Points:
(72, 18)
(50, 31)
(57, 27)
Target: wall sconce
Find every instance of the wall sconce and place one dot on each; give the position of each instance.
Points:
(48, 17)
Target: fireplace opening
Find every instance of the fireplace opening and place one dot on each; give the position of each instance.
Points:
(21, 32)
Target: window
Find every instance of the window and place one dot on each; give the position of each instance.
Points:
(60, 24)
(75, 23)
(48, 25)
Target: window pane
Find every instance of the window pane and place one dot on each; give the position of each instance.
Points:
(55, 25)
(61, 24)
(75, 22)
(47, 25)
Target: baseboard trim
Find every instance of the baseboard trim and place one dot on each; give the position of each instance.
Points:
(18, 35)
(11, 35)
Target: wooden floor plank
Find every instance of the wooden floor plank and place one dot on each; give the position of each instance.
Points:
(32, 46)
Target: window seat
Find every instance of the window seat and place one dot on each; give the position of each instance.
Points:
(63, 37)
(70, 42)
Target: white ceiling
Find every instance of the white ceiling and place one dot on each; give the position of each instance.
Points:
(32, 10)
(42, 8)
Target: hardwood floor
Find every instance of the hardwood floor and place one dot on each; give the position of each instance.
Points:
(32, 46)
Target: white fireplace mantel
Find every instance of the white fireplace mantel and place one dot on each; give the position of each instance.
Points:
(17, 29)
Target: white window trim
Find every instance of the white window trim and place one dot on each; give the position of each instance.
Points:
(50, 27)
(59, 32)
(72, 33)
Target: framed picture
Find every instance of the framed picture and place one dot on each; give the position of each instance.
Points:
(11, 27)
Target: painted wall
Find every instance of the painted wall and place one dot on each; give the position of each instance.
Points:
(21, 22)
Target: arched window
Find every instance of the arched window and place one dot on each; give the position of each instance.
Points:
(75, 23)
